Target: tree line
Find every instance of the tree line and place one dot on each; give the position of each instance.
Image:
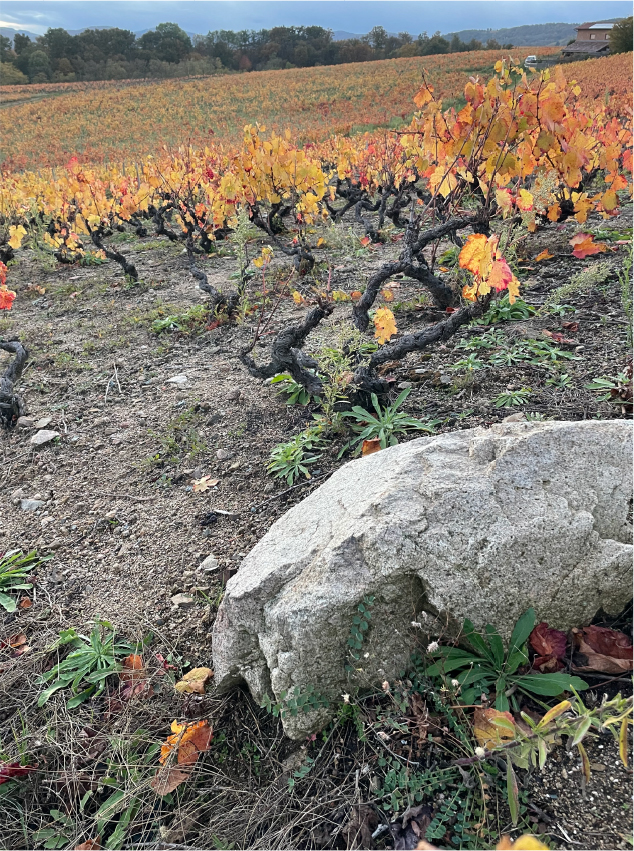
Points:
(168, 51)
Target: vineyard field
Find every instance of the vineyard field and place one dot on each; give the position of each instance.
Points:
(214, 293)
(117, 121)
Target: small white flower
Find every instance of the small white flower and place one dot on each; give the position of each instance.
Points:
(433, 646)
(417, 625)
(346, 698)
(385, 686)
(366, 655)
(455, 683)
(480, 753)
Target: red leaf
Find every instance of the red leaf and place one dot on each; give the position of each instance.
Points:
(11, 770)
(546, 641)
(584, 245)
(606, 650)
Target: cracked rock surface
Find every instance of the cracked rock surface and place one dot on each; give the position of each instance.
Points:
(481, 523)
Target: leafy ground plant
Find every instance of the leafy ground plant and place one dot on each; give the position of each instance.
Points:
(89, 664)
(296, 394)
(291, 459)
(15, 568)
(488, 664)
(387, 424)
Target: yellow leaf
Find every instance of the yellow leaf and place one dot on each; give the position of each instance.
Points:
(384, 324)
(321, 241)
(194, 681)
(609, 200)
(525, 200)
(423, 96)
(527, 842)
(473, 252)
(555, 712)
(17, 233)
(388, 295)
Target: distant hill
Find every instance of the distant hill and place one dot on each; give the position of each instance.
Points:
(9, 32)
(530, 35)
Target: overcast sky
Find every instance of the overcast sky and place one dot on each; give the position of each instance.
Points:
(357, 16)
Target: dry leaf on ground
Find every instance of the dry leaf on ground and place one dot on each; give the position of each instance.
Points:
(194, 681)
(606, 650)
(369, 447)
(202, 485)
(187, 742)
(89, 845)
(550, 646)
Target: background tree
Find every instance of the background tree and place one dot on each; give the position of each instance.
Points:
(168, 43)
(621, 36)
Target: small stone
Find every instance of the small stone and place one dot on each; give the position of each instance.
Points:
(235, 465)
(404, 385)
(445, 379)
(25, 422)
(209, 564)
(19, 494)
(43, 436)
(43, 422)
(31, 504)
(56, 544)
(234, 395)
(183, 601)
(180, 380)
(223, 455)
(515, 418)
(110, 431)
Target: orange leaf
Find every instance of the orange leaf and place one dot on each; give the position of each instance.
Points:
(609, 200)
(7, 298)
(500, 276)
(25, 603)
(365, 241)
(89, 845)
(355, 294)
(544, 255)
(584, 246)
(388, 295)
(132, 668)
(369, 447)
(474, 253)
(527, 842)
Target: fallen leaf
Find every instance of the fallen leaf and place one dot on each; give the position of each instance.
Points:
(166, 780)
(194, 681)
(365, 241)
(202, 485)
(606, 650)
(12, 770)
(493, 728)
(557, 337)
(361, 824)
(369, 447)
(388, 295)
(355, 294)
(584, 246)
(89, 845)
(527, 842)
(134, 678)
(570, 326)
(384, 324)
(132, 665)
(25, 603)
(544, 255)
(321, 241)
(550, 646)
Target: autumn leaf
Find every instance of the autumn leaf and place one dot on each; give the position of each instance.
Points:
(606, 650)
(527, 842)
(387, 294)
(7, 298)
(187, 742)
(369, 447)
(584, 246)
(13, 770)
(321, 242)
(89, 845)
(355, 294)
(194, 681)
(476, 254)
(493, 728)
(204, 484)
(550, 646)
(384, 324)
(298, 298)
(339, 295)
(544, 255)
(609, 200)
(423, 96)
(17, 234)
(133, 676)
(365, 241)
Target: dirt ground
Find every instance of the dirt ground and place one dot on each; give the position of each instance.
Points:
(141, 415)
